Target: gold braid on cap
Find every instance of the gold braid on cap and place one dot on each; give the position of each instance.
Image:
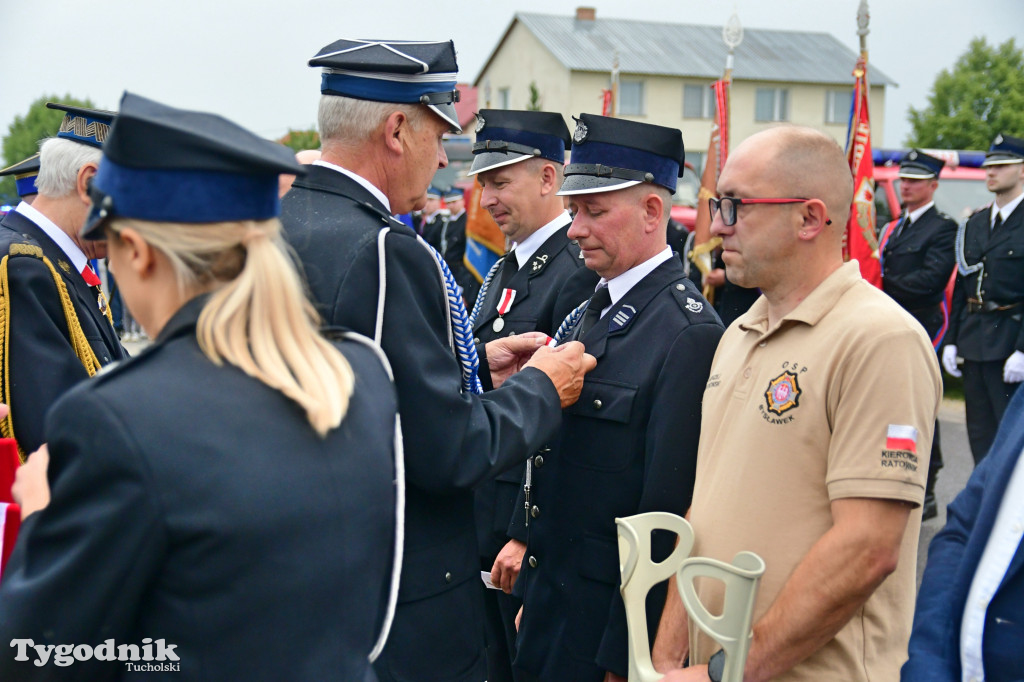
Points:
(81, 127)
(79, 344)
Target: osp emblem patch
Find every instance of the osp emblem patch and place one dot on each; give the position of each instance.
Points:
(783, 393)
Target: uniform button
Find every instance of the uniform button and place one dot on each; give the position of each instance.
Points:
(1010, 252)
(746, 373)
(447, 577)
(476, 340)
(681, 287)
(545, 450)
(985, 275)
(538, 461)
(598, 404)
(535, 511)
(532, 561)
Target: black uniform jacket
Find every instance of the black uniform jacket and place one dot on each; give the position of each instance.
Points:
(452, 440)
(539, 285)
(194, 504)
(40, 358)
(917, 266)
(629, 445)
(990, 335)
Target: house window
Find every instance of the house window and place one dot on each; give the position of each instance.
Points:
(698, 101)
(772, 104)
(631, 98)
(503, 98)
(837, 106)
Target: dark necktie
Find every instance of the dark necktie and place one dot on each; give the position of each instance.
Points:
(903, 224)
(509, 268)
(998, 222)
(601, 299)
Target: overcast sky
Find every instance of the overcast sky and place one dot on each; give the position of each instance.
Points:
(246, 59)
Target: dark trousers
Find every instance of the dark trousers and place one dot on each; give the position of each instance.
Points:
(986, 396)
(935, 463)
(500, 611)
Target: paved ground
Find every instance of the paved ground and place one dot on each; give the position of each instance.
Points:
(958, 467)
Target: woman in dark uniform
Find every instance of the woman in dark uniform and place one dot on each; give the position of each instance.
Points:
(226, 500)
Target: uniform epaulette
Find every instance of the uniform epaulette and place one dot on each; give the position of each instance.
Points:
(23, 249)
(690, 301)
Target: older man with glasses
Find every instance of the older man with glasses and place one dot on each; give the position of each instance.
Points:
(820, 400)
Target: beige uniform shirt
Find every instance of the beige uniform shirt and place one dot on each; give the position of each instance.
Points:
(838, 400)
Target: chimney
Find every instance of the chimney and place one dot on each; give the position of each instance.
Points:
(585, 13)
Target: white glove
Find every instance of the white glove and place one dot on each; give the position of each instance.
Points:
(1013, 370)
(949, 361)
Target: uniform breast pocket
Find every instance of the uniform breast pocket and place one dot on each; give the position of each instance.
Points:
(99, 347)
(608, 406)
(519, 325)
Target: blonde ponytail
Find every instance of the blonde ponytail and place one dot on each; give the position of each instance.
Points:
(259, 319)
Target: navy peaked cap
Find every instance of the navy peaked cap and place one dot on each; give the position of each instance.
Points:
(918, 165)
(171, 165)
(1004, 150)
(88, 126)
(25, 173)
(613, 153)
(404, 72)
(505, 137)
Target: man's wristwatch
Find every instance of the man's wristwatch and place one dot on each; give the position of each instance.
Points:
(716, 666)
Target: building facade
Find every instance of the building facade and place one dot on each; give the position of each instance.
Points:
(664, 74)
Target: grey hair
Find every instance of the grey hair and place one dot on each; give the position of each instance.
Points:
(351, 121)
(59, 163)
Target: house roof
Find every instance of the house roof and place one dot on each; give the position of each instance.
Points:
(664, 49)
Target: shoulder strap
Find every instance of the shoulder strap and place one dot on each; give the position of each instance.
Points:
(76, 336)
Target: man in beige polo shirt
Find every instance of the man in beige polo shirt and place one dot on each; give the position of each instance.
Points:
(817, 424)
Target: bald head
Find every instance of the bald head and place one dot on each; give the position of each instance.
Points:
(804, 162)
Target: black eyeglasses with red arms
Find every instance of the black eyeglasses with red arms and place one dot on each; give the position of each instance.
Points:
(728, 206)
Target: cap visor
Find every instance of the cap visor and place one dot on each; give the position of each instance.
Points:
(915, 174)
(486, 161)
(447, 112)
(591, 184)
(1001, 160)
(93, 229)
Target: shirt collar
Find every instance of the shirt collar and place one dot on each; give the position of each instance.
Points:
(914, 215)
(620, 286)
(813, 308)
(524, 251)
(1005, 211)
(59, 236)
(370, 187)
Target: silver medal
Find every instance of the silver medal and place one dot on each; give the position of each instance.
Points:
(498, 325)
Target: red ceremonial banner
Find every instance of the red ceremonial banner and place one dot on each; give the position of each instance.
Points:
(860, 241)
(10, 513)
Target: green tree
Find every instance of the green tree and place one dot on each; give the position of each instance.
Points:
(982, 96)
(25, 133)
(534, 104)
(301, 139)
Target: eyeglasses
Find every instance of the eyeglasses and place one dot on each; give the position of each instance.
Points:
(728, 206)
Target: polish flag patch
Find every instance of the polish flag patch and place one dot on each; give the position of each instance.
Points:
(901, 437)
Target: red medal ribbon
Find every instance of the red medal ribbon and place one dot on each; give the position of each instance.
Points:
(505, 303)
